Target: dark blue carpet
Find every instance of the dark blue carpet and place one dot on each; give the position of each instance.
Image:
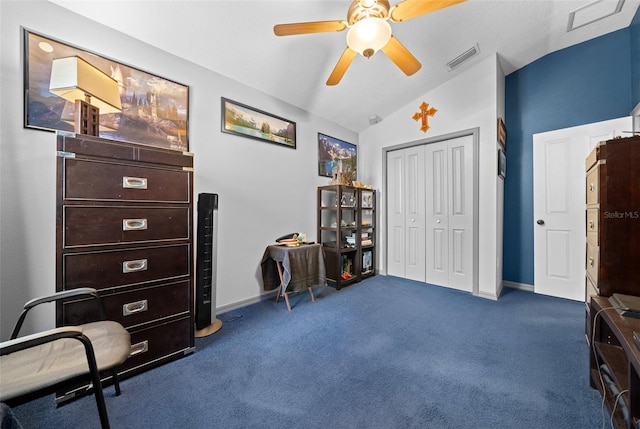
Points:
(384, 353)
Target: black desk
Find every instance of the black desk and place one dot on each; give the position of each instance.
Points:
(291, 269)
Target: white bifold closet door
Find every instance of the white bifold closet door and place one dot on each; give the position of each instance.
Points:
(430, 213)
(406, 213)
(449, 214)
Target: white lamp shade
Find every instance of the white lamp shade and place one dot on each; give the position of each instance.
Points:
(369, 33)
(72, 78)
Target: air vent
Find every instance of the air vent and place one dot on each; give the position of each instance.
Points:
(463, 57)
(592, 12)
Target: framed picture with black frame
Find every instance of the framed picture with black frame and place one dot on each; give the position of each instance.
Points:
(155, 110)
(332, 150)
(502, 164)
(246, 121)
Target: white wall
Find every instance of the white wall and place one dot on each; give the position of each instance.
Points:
(467, 101)
(265, 190)
(500, 100)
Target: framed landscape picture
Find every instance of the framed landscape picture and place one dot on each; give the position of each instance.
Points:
(245, 121)
(332, 150)
(155, 110)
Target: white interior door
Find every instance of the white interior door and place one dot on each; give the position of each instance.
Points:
(559, 205)
(396, 213)
(449, 213)
(415, 221)
(405, 213)
(437, 221)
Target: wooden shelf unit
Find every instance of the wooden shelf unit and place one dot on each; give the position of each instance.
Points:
(346, 229)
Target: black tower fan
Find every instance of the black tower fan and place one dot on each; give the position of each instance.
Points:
(206, 249)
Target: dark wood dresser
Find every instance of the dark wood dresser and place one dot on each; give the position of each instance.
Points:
(124, 227)
(613, 218)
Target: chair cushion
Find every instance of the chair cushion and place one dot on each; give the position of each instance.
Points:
(45, 365)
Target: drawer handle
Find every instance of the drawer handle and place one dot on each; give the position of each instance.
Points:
(135, 307)
(134, 266)
(134, 182)
(134, 224)
(591, 187)
(138, 348)
(591, 224)
(591, 262)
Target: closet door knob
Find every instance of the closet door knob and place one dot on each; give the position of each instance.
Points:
(540, 222)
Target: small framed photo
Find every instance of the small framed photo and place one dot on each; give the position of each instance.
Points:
(502, 134)
(245, 121)
(331, 151)
(502, 164)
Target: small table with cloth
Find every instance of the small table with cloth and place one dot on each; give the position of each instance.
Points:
(292, 269)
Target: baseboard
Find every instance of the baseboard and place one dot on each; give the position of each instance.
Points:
(521, 286)
(486, 295)
(271, 295)
(239, 304)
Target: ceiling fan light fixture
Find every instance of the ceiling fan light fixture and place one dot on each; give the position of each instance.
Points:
(369, 35)
(367, 4)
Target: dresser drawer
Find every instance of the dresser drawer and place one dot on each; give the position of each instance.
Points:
(152, 343)
(95, 225)
(83, 145)
(132, 308)
(592, 225)
(593, 156)
(104, 181)
(107, 269)
(592, 263)
(593, 185)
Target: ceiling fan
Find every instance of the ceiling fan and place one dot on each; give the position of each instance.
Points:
(369, 31)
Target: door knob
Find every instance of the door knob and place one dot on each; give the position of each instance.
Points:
(540, 222)
(438, 221)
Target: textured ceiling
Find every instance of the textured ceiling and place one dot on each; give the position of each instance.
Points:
(235, 39)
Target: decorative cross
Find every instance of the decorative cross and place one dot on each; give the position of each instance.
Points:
(423, 114)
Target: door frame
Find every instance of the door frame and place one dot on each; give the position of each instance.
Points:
(475, 134)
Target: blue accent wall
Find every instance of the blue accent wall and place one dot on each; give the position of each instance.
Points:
(585, 83)
(635, 58)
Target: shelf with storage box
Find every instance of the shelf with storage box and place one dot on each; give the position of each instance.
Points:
(124, 227)
(614, 366)
(346, 229)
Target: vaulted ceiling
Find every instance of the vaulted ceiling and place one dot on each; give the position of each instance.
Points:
(236, 39)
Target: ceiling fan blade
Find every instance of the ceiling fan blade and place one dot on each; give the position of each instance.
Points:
(308, 27)
(401, 56)
(343, 64)
(408, 9)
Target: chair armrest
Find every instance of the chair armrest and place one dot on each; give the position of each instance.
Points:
(58, 296)
(61, 295)
(22, 343)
